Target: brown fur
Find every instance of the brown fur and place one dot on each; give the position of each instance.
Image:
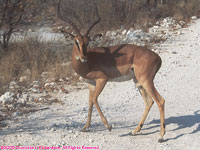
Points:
(103, 64)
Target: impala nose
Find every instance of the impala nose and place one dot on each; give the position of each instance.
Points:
(84, 60)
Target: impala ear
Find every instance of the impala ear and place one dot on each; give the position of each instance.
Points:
(95, 37)
(65, 33)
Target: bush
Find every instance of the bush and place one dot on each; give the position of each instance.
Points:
(126, 13)
(31, 58)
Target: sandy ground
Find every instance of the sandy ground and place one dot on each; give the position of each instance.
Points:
(177, 81)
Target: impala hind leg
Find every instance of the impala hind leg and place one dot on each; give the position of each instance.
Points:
(91, 94)
(100, 84)
(151, 90)
(148, 104)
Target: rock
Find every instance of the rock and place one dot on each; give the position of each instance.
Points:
(31, 99)
(25, 96)
(36, 86)
(23, 79)
(91, 140)
(7, 98)
(11, 106)
(18, 95)
(40, 99)
(39, 24)
(50, 80)
(59, 27)
(131, 35)
(75, 136)
(84, 109)
(182, 23)
(61, 80)
(75, 74)
(53, 129)
(22, 101)
(54, 125)
(27, 72)
(194, 17)
(34, 90)
(174, 52)
(47, 84)
(104, 140)
(53, 84)
(178, 33)
(13, 85)
(124, 32)
(178, 26)
(67, 79)
(155, 27)
(80, 78)
(35, 82)
(63, 143)
(45, 75)
(15, 114)
(70, 131)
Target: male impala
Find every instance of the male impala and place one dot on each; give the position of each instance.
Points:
(102, 64)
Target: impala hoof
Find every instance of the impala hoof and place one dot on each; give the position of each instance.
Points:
(109, 128)
(84, 130)
(160, 140)
(131, 133)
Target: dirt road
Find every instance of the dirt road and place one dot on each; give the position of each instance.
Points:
(177, 81)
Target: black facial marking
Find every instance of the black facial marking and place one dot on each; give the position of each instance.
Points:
(141, 125)
(84, 48)
(77, 45)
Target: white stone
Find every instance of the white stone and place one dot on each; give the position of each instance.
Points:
(23, 79)
(36, 82)
(75, 136)
(124, 32)
(178, 26)
(44, 74)
(91, 140)
(70, 131)
(52, 84)
(47, 84)
(40, 99)
(7, 98)
(194, 17)
(34, 90)
(22, 101)
(80, 78)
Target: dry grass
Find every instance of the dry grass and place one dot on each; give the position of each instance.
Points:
(31, 58)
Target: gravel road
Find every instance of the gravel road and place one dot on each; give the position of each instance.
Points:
(177, 81)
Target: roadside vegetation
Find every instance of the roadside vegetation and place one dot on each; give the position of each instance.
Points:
(31, 57)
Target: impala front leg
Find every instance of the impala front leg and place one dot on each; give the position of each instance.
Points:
(100, 84)
(91, 94)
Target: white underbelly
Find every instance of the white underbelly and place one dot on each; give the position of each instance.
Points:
(122, 78)
(118, 79)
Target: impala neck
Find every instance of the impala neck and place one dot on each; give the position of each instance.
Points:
(79, 67)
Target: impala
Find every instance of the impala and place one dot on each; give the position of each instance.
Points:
(102, 64)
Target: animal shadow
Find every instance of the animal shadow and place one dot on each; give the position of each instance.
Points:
(182, 122)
